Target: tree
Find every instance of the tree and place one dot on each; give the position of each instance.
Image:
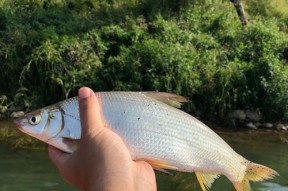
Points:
(240, 11)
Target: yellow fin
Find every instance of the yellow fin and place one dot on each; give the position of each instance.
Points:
(160, 166)
(242, 186)
(163, 170)
(168, 98)
(258, 172)
(206, 179)
(254, 172)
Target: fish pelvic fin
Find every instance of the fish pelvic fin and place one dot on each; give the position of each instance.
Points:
(167, 98)
(206, 179)
(161, 166)
(254, 172)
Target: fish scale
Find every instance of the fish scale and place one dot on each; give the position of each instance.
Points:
(176, 131)
(154, 131)
(130, 123)
(171, 124)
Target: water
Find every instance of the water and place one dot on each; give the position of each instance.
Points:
(22, 170)
(267, 148)
(30, 169)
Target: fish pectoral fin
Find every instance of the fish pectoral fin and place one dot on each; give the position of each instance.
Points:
(168, 98)
(72, 143)
(206, 179)
(163, 170)
(161, 166)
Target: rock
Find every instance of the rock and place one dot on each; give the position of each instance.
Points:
(285, 128)
(17, 114)
(281, 127)
(237, 114)
(257, 124)
(250, 125)
(267, 125)
(253, 115)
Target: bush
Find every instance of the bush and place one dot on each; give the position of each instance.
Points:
(196, 49)
(270, 8)
(265, 83)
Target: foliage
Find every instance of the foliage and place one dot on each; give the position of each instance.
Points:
(274, 8)
(10, 136)
(48, 49)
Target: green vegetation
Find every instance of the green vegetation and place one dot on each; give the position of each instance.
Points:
(11, 136)
(48, 49)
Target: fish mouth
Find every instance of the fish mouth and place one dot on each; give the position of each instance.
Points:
(17, 116)
(18, 124)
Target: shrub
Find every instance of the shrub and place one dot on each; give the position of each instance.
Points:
(197, 49)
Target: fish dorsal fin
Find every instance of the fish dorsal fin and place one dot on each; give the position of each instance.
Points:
(168, 98)
(206, 179)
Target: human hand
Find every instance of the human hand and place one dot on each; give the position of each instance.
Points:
(102, 161)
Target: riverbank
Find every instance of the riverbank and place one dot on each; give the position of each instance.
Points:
(12, 137)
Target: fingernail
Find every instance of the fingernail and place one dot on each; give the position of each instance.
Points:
(84, 92)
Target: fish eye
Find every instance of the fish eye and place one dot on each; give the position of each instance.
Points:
(35, 119)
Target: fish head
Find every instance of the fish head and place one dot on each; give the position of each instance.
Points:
(43, 124)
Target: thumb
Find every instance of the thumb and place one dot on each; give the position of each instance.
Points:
(90, 113)
(58, 157)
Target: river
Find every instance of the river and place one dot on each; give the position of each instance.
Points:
(30, 169)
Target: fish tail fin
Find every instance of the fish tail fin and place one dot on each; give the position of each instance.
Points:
(254, 172)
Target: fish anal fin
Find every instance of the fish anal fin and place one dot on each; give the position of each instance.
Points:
(161, 166)
(206, 179)
(168, 98)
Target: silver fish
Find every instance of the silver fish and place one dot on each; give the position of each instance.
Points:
(154, 131)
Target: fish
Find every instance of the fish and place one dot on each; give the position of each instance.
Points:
(155, 130)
